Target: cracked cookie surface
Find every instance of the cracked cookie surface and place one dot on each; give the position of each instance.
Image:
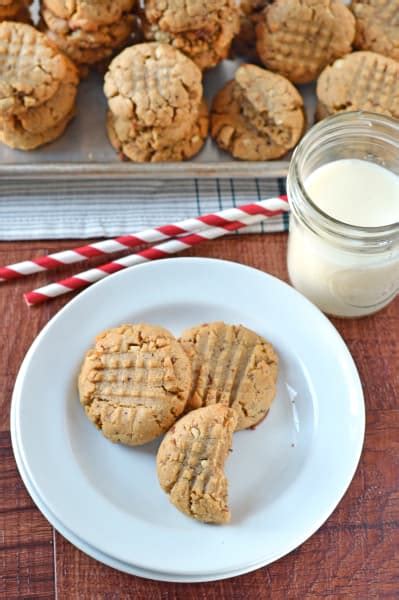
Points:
(298, 38)
(31, 68)
(190, 463)
(360, 81)
(153, 85)
(134, 383)
(152, 144)
(232, 366)
(377, 26)
(257, 116)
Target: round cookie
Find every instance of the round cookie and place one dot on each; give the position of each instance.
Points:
(232, 366)
(16, 137)
(257, 116)
(90, 14)
(377, 26)
(190, 463)
(298, 39)
(134, 383)
(153, 85)
(205, 46)
(150, 144)
(31, 68)
(175, 16)
(360, 81)
(50, 113)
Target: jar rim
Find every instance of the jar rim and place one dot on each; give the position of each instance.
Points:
(358, 120)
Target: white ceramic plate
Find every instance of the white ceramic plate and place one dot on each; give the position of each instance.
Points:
(286, 477)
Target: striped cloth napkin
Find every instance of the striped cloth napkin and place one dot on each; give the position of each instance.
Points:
(89, 209)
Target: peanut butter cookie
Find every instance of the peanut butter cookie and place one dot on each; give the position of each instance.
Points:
(377, 26)
(360, 81)
(31, 68)
(232, 366)
(191, 459)
(152, 144)
(206, 46)
(134, 383)
(298, 38)
(153, 85)
(257, 116)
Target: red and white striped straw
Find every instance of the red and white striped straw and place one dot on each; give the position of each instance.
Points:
(168, 248)
(268, 208)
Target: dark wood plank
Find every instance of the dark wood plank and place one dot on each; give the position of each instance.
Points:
(351, 556)
(26, 538)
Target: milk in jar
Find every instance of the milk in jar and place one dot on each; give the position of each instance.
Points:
(343, 251)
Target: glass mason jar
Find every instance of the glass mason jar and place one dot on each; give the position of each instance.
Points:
(346, 270)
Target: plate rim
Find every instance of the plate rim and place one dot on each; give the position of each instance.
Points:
(354, 459)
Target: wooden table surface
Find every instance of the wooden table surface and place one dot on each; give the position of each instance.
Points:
(355, 554)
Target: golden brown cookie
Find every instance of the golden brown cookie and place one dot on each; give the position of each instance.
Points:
(31, 68)
(153, 85)
(175, 16)
(20, 139)
(232, 366)
(50, 113)
(206, 46)
(377, 26)
(191, 459)
(257, 116)
(134, 383)
(90, 14)
(150, 144)
(298, 38)
(360, 81)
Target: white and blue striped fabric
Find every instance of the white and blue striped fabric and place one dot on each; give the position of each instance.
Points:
(86, 209)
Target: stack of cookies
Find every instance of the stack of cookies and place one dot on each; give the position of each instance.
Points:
(38, 87)
(15, 10)
(88, 31)
(156, 111)
(201, 29)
